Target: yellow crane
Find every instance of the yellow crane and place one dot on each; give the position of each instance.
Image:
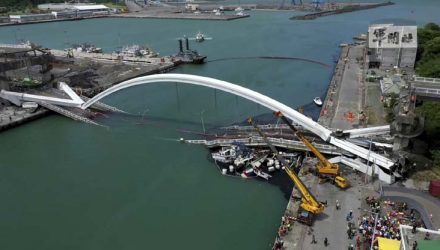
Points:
(325, 169)
(309, 205)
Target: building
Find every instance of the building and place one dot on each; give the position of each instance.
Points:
(64, 14)
(4, 19)
(391, 85)
(391, 46)
(30, 18)
(93, 8)
(426, 239)
(61, 7)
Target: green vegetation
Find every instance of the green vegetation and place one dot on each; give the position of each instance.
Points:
(428, 52)
(428, 65)
(30, 6)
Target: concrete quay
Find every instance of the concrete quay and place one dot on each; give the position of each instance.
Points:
(11, 116)
(331, 223)
(349, 94)
(346, 94)
(161, 62)
(181, 15)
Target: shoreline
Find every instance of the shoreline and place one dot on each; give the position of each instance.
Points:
(347, 9)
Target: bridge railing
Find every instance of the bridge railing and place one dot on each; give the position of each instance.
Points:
(427, 79)
(256, 141)
(427, 91)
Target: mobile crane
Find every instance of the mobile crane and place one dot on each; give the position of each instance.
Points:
(325, 169)
(309, 206)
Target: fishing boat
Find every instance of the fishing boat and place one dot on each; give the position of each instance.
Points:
(317, 101)
(240, 13)
(87, 48)
(200, 37)
(225, 155)
(137, 51)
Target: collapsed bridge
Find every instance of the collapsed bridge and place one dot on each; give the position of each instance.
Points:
(384, 169)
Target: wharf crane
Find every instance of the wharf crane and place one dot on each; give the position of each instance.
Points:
(325, 169)
(309, 206)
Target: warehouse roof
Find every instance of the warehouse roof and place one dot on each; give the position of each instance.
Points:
(90, 7)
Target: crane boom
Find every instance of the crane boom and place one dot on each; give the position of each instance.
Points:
(308, 201)
(323, 162)
(325, 168)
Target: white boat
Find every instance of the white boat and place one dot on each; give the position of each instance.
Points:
(200, 37)
(239, 8)
(240, 13)
(137, 51)
(262, 174)
(317, 101)
(225, 155)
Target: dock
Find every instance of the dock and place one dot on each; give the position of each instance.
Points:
(163, 63)
(181, 15)
(11, 116)
(341, 10)
(89, 73)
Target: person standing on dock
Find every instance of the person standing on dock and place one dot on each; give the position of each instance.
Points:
(325, 241)
(313, 240)
(337, 205)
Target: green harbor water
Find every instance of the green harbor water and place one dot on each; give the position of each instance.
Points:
(68, 185)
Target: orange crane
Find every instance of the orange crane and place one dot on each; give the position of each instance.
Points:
(325, 169)
(309, 206)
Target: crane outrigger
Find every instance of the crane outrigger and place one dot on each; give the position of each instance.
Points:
(309, 206)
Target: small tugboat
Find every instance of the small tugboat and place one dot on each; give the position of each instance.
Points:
(189, 56)
(200, 37)
(317, 101)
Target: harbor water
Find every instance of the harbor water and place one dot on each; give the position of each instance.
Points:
(68, 185)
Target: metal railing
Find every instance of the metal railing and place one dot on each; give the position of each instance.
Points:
(258, 141)
(426, 79)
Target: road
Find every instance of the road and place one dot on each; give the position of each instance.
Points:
(422, 202)
(348, 104)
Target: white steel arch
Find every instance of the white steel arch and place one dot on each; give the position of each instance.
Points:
(246, 93)
(251, 95)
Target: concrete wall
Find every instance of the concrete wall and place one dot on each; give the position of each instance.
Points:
(390, 57)
(408, 57)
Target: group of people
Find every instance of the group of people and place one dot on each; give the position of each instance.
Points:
(373, 203)
(278, 244)
(285, 225)
(386, 226)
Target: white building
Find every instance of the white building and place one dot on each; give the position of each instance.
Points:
(73, 7)
(30, 18)
(390, 46)
(90, 7)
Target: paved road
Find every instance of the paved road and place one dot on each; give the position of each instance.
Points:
(333, 224)
(350, 92)
(421, 201)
